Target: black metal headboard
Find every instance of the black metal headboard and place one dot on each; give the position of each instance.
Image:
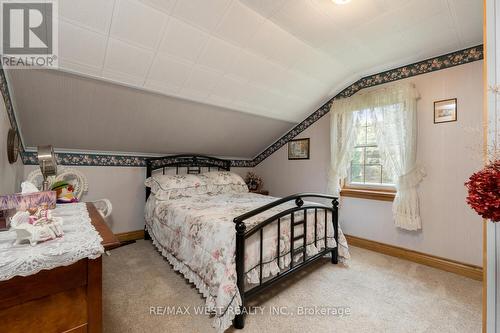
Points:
(192, 164)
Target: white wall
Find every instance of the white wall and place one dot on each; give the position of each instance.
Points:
(124, 187)
(10, 174)
(492, 260)
(450, 152)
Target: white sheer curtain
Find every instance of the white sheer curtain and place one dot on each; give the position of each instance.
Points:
(394, 114)
(342, 134)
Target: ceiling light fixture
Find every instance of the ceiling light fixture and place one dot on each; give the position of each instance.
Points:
(341, 2)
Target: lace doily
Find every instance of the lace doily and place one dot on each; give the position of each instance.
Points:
(80, 240)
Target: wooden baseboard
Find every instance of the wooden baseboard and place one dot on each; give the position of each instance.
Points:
(470, 271)
(131, 235)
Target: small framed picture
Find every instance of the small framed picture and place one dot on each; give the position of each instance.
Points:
(298, 149)
(445, 111)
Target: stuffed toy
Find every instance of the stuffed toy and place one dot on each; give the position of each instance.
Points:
(64, 192)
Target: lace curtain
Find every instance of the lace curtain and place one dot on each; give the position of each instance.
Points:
(342, 134)
(393, 112)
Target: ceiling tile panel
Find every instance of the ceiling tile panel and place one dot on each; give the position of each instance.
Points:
(163, 88)
(122, 78)
(433, 35)
(137, 23)
(165, 6)
(416, 11)
(183, 40)
(320, 66)
(220, 55)
(265, 8)
(202, 13)
(225, 102)
(468, 13)
(94, 14)
(127, 59)
(169, 71)
(81, 46)
(304, 21)
(202, 80)
(356, 13)
(230, 88)
(255, 68)
(239, 24)
(356, 56)
(78, 68)
(306, 88)
(277, 45)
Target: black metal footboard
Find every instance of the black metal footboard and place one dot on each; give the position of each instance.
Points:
(242, 234)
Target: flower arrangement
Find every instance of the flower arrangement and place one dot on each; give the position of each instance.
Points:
(484, 191)
(253, 181)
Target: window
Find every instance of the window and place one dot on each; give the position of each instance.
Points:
(366, 168)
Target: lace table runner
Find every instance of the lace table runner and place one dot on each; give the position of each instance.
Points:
(80, 240)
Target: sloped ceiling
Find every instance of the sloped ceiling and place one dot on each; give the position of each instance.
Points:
(259, 65)
(277, 58)
(75, 113)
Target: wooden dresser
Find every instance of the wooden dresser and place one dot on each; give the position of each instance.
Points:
(63, 299)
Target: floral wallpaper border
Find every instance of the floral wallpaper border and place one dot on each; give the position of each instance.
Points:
(422, 67)
(427, 66)
(30, 158)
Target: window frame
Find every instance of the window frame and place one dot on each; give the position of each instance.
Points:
(384, 192)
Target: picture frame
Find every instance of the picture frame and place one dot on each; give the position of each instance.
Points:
(299, 149)
(445, 111)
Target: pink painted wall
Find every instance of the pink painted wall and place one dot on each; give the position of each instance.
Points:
(450, 152)
(10, 174)
(124, 187)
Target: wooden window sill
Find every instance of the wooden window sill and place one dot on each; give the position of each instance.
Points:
(368, 194)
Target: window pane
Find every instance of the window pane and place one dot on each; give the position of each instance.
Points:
(360, 117)
(366, 164)
(387, 178)
(361, 136)
(372, 156)
(358, 155)
(356, 173)
(371, 139)
(373, 174)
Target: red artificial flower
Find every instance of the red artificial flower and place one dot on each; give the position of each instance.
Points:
(484, 191)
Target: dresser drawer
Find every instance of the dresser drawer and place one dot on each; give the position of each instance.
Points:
(60, 312)
(47, 282)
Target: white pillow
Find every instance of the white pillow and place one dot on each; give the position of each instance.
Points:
(224, 182)
(166, 187)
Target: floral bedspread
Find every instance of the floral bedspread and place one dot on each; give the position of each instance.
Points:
(197, 235)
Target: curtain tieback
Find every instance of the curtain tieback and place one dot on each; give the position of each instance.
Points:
(411, 179)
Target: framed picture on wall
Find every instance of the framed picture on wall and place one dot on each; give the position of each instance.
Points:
(445, 111)
(298, 149)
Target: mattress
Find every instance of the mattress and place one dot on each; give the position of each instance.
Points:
(197, 236)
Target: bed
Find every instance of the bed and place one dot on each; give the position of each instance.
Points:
(233, 244)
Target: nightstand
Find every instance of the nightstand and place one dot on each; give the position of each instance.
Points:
(263, 192)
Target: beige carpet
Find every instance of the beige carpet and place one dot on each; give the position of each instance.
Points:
(383, 294)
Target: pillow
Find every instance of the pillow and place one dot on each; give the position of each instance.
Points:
(224, 182)
(166, 187)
